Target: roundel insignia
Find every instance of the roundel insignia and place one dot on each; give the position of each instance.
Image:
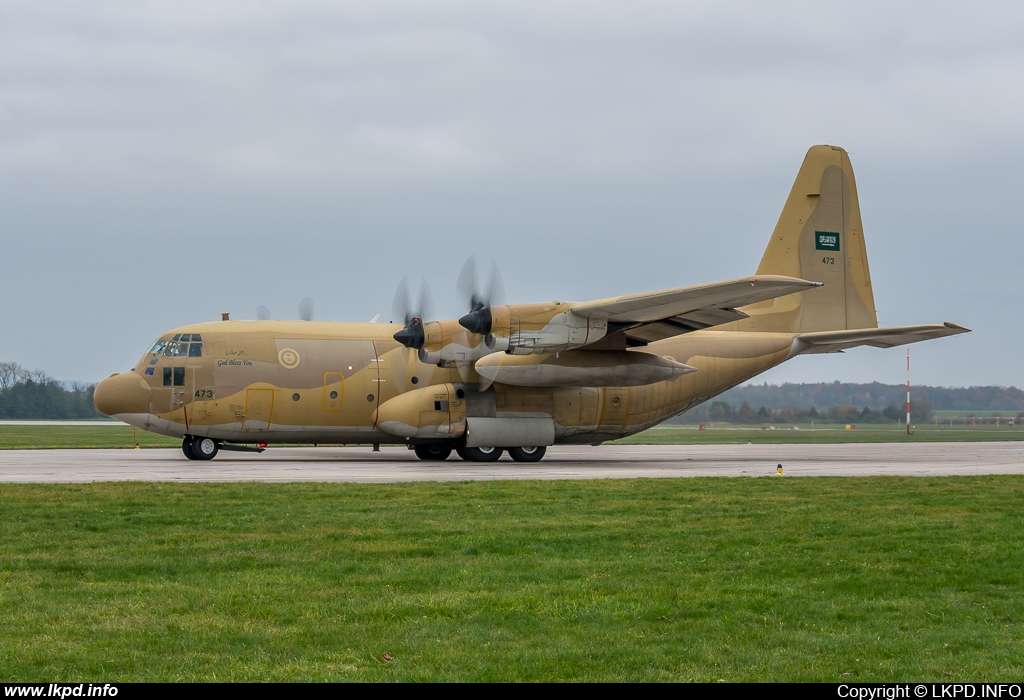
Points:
(289, 358)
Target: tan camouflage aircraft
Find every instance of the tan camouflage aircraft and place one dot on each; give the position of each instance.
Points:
(521, 377)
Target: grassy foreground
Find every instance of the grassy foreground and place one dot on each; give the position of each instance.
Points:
(870, 579)
(120, 435)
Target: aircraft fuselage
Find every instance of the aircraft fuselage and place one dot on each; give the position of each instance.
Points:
(296, 381)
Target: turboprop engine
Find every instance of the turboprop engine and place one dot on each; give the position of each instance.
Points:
(445, 342)
(530, 329)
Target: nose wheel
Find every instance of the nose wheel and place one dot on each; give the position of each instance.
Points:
(199, 448)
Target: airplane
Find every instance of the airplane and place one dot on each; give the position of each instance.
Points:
(521, 377)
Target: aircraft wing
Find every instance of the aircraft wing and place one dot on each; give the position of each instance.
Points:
(645, 318)
(837, 341)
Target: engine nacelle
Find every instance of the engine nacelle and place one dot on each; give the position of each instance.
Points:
(437, 411)
(542, 328)
(447, 342)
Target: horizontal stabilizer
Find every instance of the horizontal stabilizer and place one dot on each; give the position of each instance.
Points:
(837, 341)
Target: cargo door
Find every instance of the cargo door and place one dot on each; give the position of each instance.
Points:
(259, 407)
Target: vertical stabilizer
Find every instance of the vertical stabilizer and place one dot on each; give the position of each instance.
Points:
(818, 237)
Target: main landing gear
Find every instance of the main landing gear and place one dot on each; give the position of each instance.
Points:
(440, 452)
(432, 453)
(199, 447)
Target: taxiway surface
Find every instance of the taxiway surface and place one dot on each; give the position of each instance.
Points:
(391, 464)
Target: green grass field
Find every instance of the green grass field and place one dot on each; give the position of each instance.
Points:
(774, 579)
(77, 436)
(96, 436)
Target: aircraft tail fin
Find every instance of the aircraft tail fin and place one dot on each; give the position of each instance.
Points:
(818, 237)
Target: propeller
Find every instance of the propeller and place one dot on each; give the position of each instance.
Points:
(406, 367)
(412, 313)
(305, 310)
(479, 296)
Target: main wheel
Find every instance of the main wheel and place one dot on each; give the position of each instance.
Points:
(204, 448)
(484, 454)
(434, 453)
(527, 454)
(186, 446)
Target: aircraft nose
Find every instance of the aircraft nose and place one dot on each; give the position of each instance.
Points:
(122, 393)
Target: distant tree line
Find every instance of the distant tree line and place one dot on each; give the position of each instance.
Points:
(723, 411)
(34, 395)
(876, 396)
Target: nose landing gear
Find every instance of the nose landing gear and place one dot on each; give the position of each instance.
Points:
(199, 448)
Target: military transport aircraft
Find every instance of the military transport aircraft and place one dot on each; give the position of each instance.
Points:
(521, 377)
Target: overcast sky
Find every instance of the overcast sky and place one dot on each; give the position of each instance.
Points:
(163, 162)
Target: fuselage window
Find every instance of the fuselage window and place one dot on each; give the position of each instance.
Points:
(167, 376)
(179, 376)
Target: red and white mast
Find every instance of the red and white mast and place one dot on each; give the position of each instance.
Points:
(908, 392)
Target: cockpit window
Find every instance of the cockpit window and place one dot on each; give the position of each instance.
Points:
(180, 346)
(176, 336)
